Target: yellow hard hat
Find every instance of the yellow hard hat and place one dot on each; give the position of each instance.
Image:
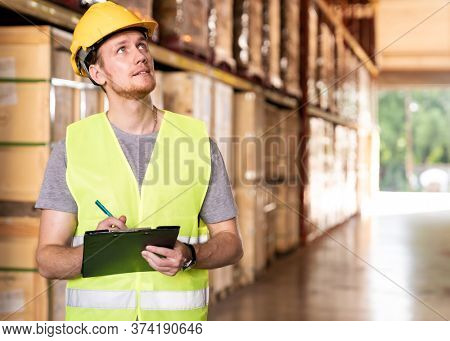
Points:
(99, 21)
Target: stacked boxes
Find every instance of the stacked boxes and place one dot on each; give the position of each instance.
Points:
(39, 97)
(270, 209)
(23, 292)
(347, 101)
(37, 103)
(222, 279)
(332, 175)
(249, 172)
(327, 69)
(287, 232)
(253, 227)
(281, 140)
(211, 101)
(248, 128)
(274, 147)
(188, 93)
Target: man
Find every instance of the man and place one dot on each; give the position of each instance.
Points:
(176, 179)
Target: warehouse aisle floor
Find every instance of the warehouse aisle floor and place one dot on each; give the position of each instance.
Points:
(392, 265)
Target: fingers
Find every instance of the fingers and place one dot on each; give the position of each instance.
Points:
(161, 262)
(162, 251)
(149, 257)
(112, 224)
(167, 266)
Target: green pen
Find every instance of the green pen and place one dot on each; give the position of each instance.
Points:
(103, 208)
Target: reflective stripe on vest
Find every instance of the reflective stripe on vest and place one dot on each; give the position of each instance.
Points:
(101, 299)
(79, 240)
(150, 300)
(174, 300)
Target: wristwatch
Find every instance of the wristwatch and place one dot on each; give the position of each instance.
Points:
(191, 262)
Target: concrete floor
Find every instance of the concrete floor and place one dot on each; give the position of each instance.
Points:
(392, 265)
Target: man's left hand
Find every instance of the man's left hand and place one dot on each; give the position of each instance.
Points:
(173, 261)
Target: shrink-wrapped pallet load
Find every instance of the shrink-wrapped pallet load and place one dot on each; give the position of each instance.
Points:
(220, 24)
(248, 37)
(271, 42)
(290, 46)
(183, 25)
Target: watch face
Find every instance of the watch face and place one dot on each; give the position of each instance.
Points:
(187, 265)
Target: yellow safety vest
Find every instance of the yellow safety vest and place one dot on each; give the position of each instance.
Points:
(172, 193)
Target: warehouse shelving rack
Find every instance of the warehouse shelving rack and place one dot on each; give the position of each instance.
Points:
(310, 110)
(67, 19)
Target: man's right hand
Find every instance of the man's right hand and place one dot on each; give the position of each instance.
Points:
(113, 224)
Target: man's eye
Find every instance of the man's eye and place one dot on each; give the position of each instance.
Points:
(121, 50)
(142, 46)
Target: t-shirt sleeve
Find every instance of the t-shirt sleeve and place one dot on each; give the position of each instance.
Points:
(219, 203)
(54, 193)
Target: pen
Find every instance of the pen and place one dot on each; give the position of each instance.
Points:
(103, 208)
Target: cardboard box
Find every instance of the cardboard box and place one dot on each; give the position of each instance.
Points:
(18, 242)
(25, 114)
(188, 93)
(270, 210)
(249, 125)
(294, 214)
(35, 112)
(292, 136)
(274, 144)
(35, 109)
(221, 280)
(57, 300)
(23, 48)
(23, 296)
(157, 95)
(253, 228)
(22, 172)
(222, 122)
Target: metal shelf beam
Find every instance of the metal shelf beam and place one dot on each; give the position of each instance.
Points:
(317, 112)
(336, 20)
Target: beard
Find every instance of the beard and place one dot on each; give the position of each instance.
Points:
(134, 90)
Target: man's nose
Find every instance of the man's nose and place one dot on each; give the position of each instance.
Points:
(140, 56)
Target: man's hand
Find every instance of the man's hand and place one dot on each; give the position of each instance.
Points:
(173, 261)
(113, 224)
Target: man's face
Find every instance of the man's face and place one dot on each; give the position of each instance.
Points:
(128, 65)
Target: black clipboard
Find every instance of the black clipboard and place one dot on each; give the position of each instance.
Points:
(110, 253)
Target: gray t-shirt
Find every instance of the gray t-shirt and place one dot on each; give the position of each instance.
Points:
(219, 204)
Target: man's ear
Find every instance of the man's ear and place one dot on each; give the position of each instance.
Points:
(97, 74)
